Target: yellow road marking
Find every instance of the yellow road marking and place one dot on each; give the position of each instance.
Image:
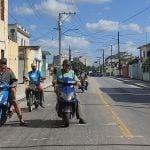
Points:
(125, 131)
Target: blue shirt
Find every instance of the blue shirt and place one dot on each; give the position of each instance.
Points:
(35, 76)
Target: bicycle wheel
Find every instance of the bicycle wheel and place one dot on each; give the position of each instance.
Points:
(31, 99)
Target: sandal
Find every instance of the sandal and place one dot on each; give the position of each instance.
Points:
(23, 124)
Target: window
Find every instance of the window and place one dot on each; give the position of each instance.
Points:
(2, 53)
(148, 54)
(2, 9)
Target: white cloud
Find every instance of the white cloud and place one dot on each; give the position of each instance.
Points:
(133, 27)
(53, 7)
(91, 1)
(75, 43)
(131, 48)
(32, 27)
(24, 10)
(103, 25)
(147, 29)
(108, 25)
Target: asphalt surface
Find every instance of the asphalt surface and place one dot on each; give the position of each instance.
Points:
(117, 116)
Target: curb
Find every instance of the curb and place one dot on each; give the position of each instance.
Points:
(135, 82)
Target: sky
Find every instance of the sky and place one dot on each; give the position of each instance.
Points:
(93, 26)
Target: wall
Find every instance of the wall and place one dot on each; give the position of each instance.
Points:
(4, 31)
(13, 56)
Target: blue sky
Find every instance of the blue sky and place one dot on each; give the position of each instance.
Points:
(97, 21)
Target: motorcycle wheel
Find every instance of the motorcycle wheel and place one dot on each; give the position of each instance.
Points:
(36, 101)
(42, 98)
(66, 117)
(3, 116)
(31, 97)
(36, 104)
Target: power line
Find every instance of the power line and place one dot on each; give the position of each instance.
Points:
(140, 12)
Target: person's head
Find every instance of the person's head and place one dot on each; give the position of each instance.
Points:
(33, 66)
(66, 65)
(3, 63)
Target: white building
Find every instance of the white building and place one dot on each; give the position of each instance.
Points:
(18, 34)
(56, 59)
(81, 59)
(145, 51)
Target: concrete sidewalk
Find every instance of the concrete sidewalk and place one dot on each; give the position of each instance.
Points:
(139, 83)
(20, 94)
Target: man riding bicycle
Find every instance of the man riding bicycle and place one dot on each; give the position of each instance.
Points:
(35, 77)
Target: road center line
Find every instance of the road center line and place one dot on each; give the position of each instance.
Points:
(125, 131)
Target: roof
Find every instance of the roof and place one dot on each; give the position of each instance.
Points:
(144, 46)
(46, 53)
(31, 47)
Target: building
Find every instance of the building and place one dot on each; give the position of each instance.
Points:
(18, 34)
(56, 59)
(13, 57)
(28, 55)
(3, 28)
(81, 59)
(144, 51)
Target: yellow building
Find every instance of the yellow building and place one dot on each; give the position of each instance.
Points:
(13, 56)
(28, 55)
(4, 28)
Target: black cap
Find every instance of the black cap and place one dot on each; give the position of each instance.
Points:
(3, 61)
(66, 62)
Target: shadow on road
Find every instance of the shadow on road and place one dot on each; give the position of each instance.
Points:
(38, 123)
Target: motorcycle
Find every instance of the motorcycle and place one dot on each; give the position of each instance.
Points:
(33, 97)
(67, 101)
(5, 103)
(83, 85)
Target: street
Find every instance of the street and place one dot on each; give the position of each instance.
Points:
(117, 116)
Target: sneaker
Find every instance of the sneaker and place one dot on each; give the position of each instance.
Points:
(42, 105)
(23, 124)
(82, 121)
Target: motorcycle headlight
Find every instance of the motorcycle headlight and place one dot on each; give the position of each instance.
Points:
(1, 97)
(67, 97)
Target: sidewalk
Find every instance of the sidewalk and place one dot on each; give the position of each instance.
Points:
(135, 82)
(20, 94)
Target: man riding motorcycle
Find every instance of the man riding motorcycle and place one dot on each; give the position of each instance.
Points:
(35, 76)
(67, 72)
(83, 78)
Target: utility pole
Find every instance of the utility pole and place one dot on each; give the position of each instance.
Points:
(60, 32)
(103, 62)
(119, 56)
(69, 53)
(103, 68)
(99, 62)
(111, 61)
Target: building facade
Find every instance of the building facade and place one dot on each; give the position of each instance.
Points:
(28, 55)
(56, 59)
(18, 34)
(3, 28)
(13, 57)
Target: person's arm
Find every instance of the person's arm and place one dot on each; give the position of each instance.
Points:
(13, 79)
(76, 79)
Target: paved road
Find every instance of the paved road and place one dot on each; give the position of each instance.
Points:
(118, 118)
